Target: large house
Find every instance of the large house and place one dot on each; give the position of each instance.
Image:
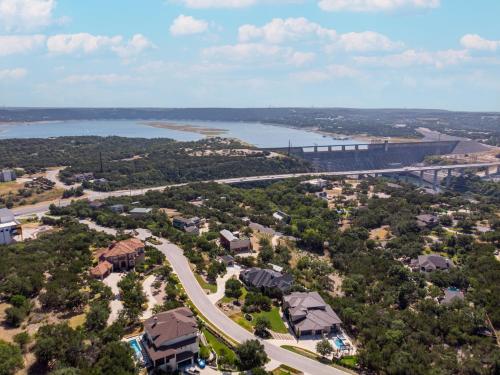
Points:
(430, 263)
(266, 279)
(120, 256)
(190, 225)
(308, 314)
(9, 227)
(234, 243)
(171, 339)
(140, 212)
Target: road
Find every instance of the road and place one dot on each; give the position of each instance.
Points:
(92, 195)
(197, 295)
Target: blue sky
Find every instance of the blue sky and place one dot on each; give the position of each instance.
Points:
(238, 53)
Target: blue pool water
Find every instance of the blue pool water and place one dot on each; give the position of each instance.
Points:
(453, 289)
(338, 343)
(137, 348)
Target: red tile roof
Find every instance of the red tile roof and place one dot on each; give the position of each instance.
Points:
(126, 247)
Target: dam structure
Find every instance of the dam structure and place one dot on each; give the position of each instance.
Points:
(367, 156)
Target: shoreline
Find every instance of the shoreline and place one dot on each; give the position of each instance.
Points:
(205, 131)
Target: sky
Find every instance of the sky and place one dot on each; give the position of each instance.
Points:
(251, 53)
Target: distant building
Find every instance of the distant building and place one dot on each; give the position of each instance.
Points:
(190, 225)
(233, 243)
(140, 212)
(9, 226)
(450, 295)
(308, 314)
(228, 260)
(430, 263)
(7, 175)
(316, 182)
(80, 177)
(281, 216)
(427, 221)
(171, 339)
(120, 256)
(117, 208)
(266, 279)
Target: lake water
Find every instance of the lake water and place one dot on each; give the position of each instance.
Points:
(260, 135)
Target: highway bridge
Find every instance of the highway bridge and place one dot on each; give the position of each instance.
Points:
(435, 169)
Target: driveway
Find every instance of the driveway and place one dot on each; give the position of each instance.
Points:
(147, 285)
(221, 283)
(180, 265)
(115, 305)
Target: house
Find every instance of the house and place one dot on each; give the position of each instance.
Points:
(190, 226)
(9, 226)
(316, 182)
(171, 339)
(228, 260)
(117, 208)
(430, 263)
(308, 314)
(281, 216)
(139, 212)
(234, 243)
(96, 204)
(180, 222)
(121, 256)
(80, 177)
(266, 279)
(451, 294)
(427, 221)
(102, 270)
(7, 175)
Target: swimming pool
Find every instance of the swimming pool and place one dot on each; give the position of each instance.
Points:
(453, 289)
(338, 343)
(136, 348)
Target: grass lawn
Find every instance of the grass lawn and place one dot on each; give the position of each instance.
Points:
(210, 287)
(219, 347)
(350, 361)
(285, 370)
(77, 321)
(274, 317)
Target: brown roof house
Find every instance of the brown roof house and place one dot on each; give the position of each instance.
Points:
(430, 263)
(309, 314)
(120, 256)
(171, 339)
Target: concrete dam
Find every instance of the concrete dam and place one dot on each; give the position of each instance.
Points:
(338, 158)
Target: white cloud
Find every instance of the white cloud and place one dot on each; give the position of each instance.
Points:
(328, 73)
(279, 30)
(187, 25)
(15, 73)
(87, 43)
(82, 42)
(26, 14)
(375, 5)
(474, 41)
(133, 47)
(258, 53)
(407, 58)
(366, 41)
(99, 78)
(12, 44)
(218, 3)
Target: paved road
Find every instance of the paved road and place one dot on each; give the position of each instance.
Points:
(91, 195)
(179, 263)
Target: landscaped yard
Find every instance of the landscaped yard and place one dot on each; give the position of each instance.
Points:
(220, 348)
(274, 317)
(210, 287)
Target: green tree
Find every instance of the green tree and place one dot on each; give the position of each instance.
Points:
(251, 354)
(59, 343)
(262, 324)
(11, 358)
(116, 358)
(97, 317)
(233, 288)
(22, 339)
(324, 348)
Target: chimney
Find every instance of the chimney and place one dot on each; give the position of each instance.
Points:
(155, 320)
